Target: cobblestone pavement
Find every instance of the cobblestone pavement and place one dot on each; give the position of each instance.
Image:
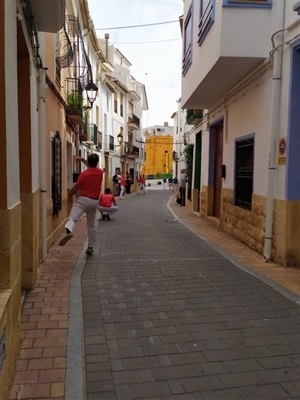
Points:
(167, 308)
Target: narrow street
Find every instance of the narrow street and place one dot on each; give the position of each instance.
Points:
(167, 316)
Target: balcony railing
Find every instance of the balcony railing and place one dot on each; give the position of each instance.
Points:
(130, 151)
(133, 122)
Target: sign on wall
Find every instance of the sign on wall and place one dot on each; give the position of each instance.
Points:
(282, 151)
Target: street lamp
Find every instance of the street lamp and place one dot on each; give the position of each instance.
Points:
(91, 93)
(120, 138)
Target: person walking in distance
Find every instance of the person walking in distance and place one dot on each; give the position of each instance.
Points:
(182, 186)
(164, 182)
(116, 187)
(142, 183)
(122, 185)
(107, 204)
(88, 185)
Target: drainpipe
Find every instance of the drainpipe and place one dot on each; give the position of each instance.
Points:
(275, 127)
(42, 155)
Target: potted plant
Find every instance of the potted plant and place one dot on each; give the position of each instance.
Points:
(75, 101)
(75, 105)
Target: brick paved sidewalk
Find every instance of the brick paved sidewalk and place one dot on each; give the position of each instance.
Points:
(41, 369)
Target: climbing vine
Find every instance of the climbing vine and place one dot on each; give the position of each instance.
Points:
(188, 153)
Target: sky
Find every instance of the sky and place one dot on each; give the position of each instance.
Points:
(154, 51)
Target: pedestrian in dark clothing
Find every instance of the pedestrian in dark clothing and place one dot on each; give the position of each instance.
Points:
(128, 183)
(182, 186)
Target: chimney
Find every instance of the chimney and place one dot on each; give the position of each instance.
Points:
(106, 36)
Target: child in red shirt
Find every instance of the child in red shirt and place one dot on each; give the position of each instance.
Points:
(142, 183)
(107, 204)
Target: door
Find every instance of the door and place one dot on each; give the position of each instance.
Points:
(197, 166)
(218, 172)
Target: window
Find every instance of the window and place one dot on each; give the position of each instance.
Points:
(130, 109)
(248, 3)
(187, 49)
(206, 20)
(244, 152)
(115, 102)
(121, 104)
(105, 123)
(111, 143)
(107, 101)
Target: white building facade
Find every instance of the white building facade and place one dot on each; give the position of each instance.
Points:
(245, 78)
(123, 101)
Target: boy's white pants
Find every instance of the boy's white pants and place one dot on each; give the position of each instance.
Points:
(89, 207)
(109, 210)
(122, 192)
(142, 189)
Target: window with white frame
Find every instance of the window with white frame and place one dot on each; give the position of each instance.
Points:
(244, 155)
(116, 103)
(248, 3)
(187, 45)
(121, 104)
(207, 11)
(107, 100)
(105, 123)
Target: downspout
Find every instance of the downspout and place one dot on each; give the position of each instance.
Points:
(275, 127)
(42, 157)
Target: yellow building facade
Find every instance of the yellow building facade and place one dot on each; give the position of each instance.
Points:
(159, 155)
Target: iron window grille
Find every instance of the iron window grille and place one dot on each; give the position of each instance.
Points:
(56, 173)
(244, 173)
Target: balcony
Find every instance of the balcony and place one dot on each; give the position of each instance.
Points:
(83, 137)
(49, 14)
(134, 152)
(74, 107)
(226, 46)
(133, 122)
(193, 116)
(75, 115)
(130, 151)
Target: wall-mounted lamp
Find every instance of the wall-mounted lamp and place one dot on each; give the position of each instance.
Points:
(296, 7)
(91, 93)
(120, 138)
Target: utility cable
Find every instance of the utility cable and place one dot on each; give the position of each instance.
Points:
(136, 26)
(157, 41)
